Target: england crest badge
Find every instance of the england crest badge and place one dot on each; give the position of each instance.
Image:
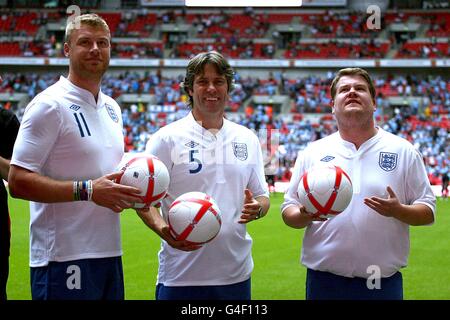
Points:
(388, 161)
(112, 113)
(240, 151)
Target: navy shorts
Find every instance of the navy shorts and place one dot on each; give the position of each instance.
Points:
(328, 286)
(85, 279)
(236, 291)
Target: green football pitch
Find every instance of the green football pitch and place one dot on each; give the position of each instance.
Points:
(276, 252)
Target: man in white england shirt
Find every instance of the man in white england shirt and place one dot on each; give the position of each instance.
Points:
(206, 152)
(64, 161)
(391, 191)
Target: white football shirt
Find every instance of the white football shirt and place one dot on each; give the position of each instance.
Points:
(221, 165)
(66, 135)
(359, 238)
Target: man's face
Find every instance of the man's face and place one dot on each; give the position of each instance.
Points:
(89, 51)
(353, 97)
(210, 91)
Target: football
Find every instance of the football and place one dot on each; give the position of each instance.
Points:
(195, 217)
(325, 191)
(147, 173)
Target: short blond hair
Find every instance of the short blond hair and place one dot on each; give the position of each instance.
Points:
(90, 19)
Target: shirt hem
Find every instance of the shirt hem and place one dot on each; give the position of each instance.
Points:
(204, 283)
(43, 263)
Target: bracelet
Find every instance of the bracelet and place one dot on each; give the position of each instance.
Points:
(82, 190)
(76, 194)
(90, 190)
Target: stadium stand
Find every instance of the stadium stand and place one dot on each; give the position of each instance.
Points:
(285, 59)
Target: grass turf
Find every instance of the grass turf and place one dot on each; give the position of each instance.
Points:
(276, 253)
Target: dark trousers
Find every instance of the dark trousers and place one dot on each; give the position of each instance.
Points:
(85, 279)
(328, 286)
(236, 291)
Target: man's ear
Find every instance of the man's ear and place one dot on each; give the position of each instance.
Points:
(66, 49)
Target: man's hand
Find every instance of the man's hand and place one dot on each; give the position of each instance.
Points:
(183, 245)
(297, 217)
(152, 218)
(386, 207)
(251, 208)
(107, 193)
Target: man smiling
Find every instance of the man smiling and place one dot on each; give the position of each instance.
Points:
(69, 144)
(206, 152)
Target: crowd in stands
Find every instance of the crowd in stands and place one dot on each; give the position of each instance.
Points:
(426, 125)
(243, 35)
(251, 35)
(355, 48)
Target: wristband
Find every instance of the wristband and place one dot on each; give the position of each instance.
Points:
(76, 194)
(90, 190)
(82, 190)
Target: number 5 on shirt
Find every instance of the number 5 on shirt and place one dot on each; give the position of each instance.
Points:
(193, 159)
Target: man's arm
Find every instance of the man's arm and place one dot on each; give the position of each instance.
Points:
(415, 214)
(297, 217)
(29, 185)
(153, 219)
(254, 208)
(264, 202)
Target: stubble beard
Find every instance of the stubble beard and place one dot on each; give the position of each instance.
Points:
(91, 73)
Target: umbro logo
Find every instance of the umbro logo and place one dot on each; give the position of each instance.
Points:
(191, 144)
(327, 158)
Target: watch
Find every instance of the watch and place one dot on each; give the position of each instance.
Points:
(258, 215)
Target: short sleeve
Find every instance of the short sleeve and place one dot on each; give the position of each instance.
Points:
(159, 146)
(39, 130)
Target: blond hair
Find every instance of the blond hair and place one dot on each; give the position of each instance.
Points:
(90, 19)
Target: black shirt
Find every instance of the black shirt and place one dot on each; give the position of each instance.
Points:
(9, 127)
